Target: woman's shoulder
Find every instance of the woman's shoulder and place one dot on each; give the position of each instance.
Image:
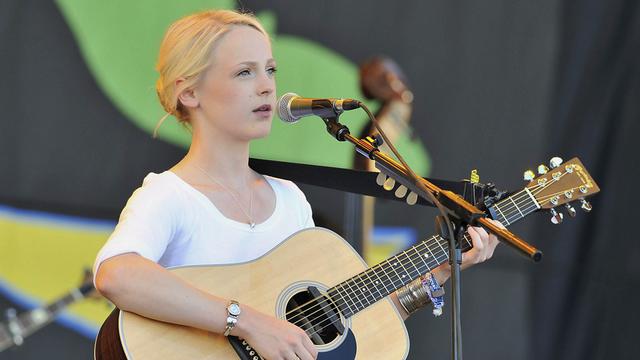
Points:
(159, 187)
(288, 187)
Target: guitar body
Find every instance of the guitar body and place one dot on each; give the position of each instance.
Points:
(311, 257)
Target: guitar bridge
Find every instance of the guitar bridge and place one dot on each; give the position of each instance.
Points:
(243, 349)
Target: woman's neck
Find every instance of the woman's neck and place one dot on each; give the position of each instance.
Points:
(225, 159)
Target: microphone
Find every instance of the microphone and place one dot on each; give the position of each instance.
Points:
(292, 107)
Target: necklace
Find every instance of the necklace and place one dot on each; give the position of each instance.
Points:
(252, 224)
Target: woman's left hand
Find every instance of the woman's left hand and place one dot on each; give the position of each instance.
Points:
(484, 244)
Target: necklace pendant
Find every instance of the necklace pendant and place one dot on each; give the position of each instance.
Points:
(252, 225)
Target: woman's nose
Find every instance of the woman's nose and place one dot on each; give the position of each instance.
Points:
(266, 85)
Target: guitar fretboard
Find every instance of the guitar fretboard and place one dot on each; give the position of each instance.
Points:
(377, 282)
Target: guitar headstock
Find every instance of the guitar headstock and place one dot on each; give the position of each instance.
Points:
(561, 184)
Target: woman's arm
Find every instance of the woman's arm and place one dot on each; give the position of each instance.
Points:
(136, 284)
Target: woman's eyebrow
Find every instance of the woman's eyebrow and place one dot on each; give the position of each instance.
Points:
(255, 63)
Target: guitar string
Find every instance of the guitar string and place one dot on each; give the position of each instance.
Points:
(373, 268)
(393, 281)
(363, 281)
(327, 321)
(536, 189)
(411, 258)
(322, 326)
(549, 196)
(353, 280)
(515, 214)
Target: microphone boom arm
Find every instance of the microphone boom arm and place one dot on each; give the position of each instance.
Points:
(456, 206)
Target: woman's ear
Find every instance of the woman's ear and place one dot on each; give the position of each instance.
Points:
(187, 97)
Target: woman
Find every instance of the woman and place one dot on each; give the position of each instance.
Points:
(216, 75)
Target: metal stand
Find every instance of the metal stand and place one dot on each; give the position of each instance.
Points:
(455, 260)
(456, 215)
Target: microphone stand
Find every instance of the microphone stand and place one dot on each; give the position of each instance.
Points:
(457, 214)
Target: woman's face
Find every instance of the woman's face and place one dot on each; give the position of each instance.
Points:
(237, 94)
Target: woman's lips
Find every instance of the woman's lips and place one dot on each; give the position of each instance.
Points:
(263, 110)
(265, 107)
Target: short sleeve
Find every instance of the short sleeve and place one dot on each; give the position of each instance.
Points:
(306, 214)
(146, 225)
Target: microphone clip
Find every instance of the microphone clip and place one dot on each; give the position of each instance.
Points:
(336, 129)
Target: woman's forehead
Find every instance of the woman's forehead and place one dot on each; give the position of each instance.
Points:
(242, 44)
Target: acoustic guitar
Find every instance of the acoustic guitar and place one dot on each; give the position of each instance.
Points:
(315, 280)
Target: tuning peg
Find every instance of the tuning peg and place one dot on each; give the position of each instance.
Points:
(556, 217)
(585, 205)
(401, 191)
(542, 169)
(389, 184)
(412, 198)
(529, 175)
(570, 209)
(555, 162)
(381, 178)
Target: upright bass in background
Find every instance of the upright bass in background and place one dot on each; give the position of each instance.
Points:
(380, 79)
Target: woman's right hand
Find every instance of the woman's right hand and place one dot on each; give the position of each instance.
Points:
(272, 338)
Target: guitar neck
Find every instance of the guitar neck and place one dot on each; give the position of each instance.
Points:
(6, 341)
(28, 322)
(377, 282)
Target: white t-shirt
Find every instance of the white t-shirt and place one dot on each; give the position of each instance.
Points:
(169, 222)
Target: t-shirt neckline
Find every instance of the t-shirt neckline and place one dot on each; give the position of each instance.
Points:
(237, 224)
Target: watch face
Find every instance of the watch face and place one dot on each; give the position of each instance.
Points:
(234, 309)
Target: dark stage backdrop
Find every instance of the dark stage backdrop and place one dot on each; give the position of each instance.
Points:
(500, 86)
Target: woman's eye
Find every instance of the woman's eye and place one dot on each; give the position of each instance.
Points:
(272, 70)
(244, 72)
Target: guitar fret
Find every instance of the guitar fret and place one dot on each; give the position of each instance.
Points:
(380, 280)
(364, 286)
(403, 276)
(373, 284)
(350, 289)
(443, 250)
(394, 270)
(386, 272)
(533, 199)
(421, 271)
(467, 237)
(415, 267)
(415, 249)
(342, 295)
(431, 252)
(516, 205)
(504, 218)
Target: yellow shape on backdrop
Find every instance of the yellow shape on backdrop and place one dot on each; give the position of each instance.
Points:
(42, 258)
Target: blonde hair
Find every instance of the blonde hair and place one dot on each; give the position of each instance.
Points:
(185, 53)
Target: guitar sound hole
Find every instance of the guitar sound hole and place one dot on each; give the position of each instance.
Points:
(316, 315)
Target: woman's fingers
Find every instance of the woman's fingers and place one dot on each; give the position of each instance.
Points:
(309, 347)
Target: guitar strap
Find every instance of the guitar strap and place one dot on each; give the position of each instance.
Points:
(347, 180)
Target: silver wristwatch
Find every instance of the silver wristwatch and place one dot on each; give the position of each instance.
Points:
(233, 310)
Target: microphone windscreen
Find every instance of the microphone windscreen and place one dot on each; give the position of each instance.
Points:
(284, 110)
